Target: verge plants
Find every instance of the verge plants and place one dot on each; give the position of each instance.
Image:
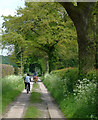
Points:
(76, 98)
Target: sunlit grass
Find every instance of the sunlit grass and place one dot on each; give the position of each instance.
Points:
(35, 85)
(32, 112)
(11, 87)
(35, 97)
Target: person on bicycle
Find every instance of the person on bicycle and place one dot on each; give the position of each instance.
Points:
(35, 74)
(35, 77)
(27, 81)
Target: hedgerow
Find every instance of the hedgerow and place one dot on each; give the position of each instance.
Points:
(76, 98)
(6, 70)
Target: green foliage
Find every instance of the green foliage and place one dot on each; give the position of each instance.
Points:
(91, 75)
(79, 103)
(16, 71)
(42, 78)
(61, 72)
(70, 76)
(7, 60)
(85, 95)
(45, 27)
(11, 88)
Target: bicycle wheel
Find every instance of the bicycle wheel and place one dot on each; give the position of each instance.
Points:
(27, 89)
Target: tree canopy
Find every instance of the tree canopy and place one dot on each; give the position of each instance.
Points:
(47, 32)
(44, 27)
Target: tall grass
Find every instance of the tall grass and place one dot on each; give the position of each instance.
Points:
(11, 87)
(77, 99)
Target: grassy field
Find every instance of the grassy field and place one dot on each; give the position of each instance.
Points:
(11, 88)
(33, 112)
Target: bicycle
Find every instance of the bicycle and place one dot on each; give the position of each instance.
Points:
(35, 79)
(27, 88)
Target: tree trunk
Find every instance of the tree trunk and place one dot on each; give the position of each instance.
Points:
(96, 37)
(80, 15)
(86, 53)
(51, 61)
(86, 45)
(21, 64)
(47, 64)
(50, 64)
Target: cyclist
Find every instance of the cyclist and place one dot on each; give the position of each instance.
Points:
(35, 77)
(27, 81)
(35, 74)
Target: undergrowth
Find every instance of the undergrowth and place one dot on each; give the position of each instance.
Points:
(77, 99)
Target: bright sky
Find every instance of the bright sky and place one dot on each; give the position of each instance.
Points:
(8, 7)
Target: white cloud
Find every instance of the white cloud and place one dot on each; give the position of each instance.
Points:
(7, 11)
(8, 7)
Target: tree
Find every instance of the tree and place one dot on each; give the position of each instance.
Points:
(42, 26)
(45, 26)
(12, 38)
(81, 14)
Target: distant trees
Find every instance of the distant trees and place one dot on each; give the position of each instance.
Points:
(6, 60)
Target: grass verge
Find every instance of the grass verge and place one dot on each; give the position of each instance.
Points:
(11, 88)
(35, 86)
(32, 111)
(35, 97)
(76, 98)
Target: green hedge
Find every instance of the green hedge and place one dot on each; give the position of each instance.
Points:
(61, 72)
(69, 76)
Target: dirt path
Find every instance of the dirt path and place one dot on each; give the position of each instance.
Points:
(52, 108)
(18, 107)
(48, 107)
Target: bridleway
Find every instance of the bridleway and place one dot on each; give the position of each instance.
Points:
(48, 107)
